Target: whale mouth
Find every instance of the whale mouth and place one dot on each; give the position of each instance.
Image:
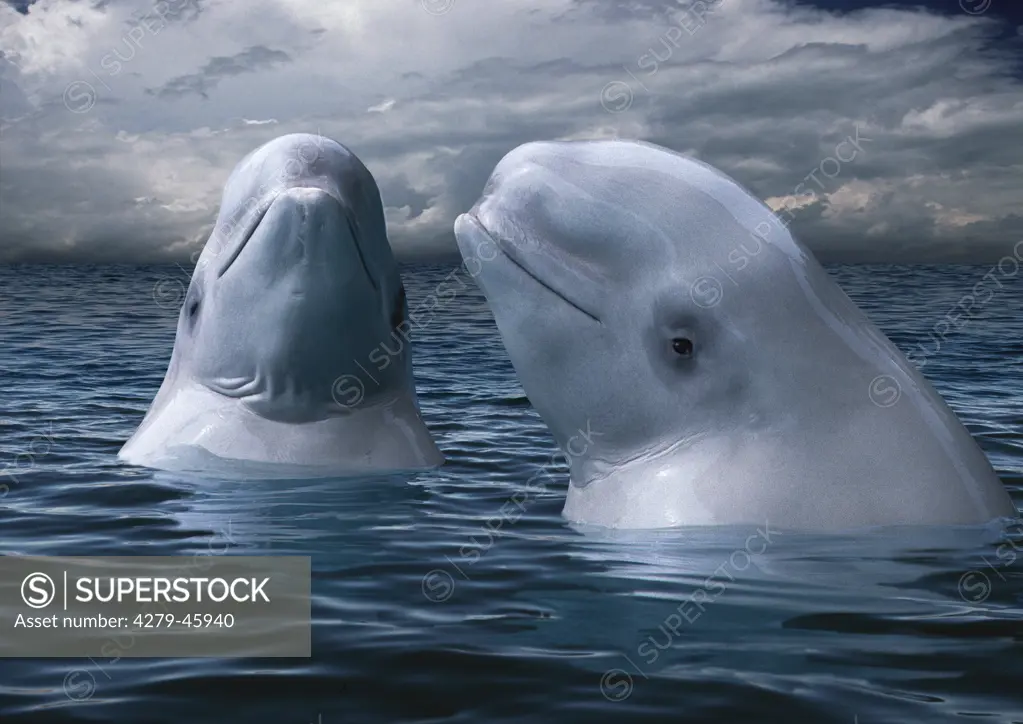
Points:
(508, 251)
(264, 207)
(250, 230)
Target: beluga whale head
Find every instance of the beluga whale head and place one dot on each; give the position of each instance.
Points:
(292, 349)
(695, 363)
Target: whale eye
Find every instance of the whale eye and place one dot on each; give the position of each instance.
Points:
(398, 315)
(683, 347)
(191, 307)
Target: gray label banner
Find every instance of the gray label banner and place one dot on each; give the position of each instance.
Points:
(156, 606)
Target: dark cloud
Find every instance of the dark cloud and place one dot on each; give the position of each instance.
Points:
(767, 91)
(20, 5)
(399, 193)
(13, 102)
(218, 68)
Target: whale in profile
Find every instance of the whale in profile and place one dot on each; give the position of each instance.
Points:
(292, 353)
(696, 364)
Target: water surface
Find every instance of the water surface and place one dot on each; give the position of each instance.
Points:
(461, 595)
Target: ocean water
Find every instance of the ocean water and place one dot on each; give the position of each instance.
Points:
(433, 604)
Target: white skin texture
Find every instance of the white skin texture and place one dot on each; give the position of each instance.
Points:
(782, 403)
(292, 352)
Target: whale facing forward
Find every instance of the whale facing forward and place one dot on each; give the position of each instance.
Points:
(290, 347)
(695, 363)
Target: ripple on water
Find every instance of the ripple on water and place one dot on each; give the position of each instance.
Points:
(438, 598)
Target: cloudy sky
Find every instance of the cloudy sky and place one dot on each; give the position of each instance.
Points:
(121, 119)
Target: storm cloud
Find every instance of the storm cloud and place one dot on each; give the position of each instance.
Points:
(883, 134)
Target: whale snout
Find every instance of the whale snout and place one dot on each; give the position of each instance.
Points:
(501, 220)
(302, 227)
(314, 220)
(499, 238)
(310, 216)
(296, 296)
(310, 197)
(470, 234)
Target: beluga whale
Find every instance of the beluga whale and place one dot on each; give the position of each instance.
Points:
(292, 354)
(696, 364)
